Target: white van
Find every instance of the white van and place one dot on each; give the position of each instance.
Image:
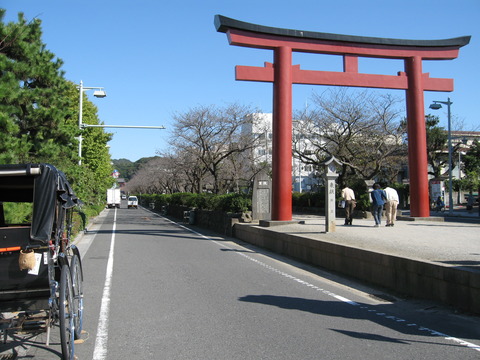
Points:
(132, 202)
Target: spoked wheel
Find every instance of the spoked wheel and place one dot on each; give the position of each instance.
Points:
(77, 284)
(66, 315)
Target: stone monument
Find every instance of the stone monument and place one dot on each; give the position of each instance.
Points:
(330, 198)
(262, 197)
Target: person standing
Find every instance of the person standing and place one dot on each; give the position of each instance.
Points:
(349, 196)
(391, 205)
(378, 200)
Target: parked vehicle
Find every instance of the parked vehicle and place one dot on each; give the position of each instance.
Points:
(113, 198)
(132, 202)
(41, 278)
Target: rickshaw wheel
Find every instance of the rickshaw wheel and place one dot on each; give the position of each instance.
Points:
(77, 284)
(67, 327)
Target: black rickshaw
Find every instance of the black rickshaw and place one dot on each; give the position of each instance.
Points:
(40, 269)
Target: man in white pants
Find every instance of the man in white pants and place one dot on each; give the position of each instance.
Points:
(391, 205)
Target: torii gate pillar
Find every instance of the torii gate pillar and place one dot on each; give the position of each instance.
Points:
(282, 136)
(417, 140)
(283, 74)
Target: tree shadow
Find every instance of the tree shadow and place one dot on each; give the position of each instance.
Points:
(378, 314)
(377, 337)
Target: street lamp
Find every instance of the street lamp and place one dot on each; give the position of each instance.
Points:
(436, 106)
(460, 153)
(297, 163)
(99, 93)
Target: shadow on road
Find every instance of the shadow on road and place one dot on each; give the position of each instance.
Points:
(378, 314)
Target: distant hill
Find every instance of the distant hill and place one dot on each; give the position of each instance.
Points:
(127, 168)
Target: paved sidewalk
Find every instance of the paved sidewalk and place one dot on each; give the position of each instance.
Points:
(450, 243)
(459, 213)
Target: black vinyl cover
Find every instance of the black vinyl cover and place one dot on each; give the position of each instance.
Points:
(44, 190)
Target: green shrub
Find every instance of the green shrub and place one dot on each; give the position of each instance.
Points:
(176, 199)
(81, 216)
(158, 200)
(296, 199)
(308, 199)
(18, 213)
(363, 202)
(229, 203)
(235, 203)
(161, 200)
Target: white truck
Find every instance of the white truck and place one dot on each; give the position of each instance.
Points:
(132, 202)
(113, 198)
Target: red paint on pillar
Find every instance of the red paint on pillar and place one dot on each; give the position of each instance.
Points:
(417, 140)
(282, 135)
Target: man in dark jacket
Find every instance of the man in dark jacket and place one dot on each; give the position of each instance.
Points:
(378, 200)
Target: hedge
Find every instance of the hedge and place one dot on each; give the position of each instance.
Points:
(228, 203)
(236, 203)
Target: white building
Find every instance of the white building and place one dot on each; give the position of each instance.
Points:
(304, 177)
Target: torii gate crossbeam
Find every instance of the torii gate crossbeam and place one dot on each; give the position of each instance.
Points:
(283, 74)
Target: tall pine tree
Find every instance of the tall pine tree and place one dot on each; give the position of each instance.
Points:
(39, 112)
(34, 111)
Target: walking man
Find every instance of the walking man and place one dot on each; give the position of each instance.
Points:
(391, 205)
(378, 200)
(349, 196)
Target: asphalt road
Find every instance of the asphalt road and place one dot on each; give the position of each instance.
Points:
(158, 290)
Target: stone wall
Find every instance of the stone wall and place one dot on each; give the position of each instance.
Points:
(217, 221)
(425, 280)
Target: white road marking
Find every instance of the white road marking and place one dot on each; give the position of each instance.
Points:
(100, 351)
(326, 292)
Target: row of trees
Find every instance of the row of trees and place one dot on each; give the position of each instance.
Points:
(361, 129)
(39, 113)
(209, 151)
(364, 130)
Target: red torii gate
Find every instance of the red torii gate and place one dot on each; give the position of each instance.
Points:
(283, 74)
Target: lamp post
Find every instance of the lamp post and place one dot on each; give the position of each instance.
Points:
(460, 153)
(99, 93)
(435, 106)
(297, 163)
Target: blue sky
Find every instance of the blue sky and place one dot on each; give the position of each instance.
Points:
(157, 58)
